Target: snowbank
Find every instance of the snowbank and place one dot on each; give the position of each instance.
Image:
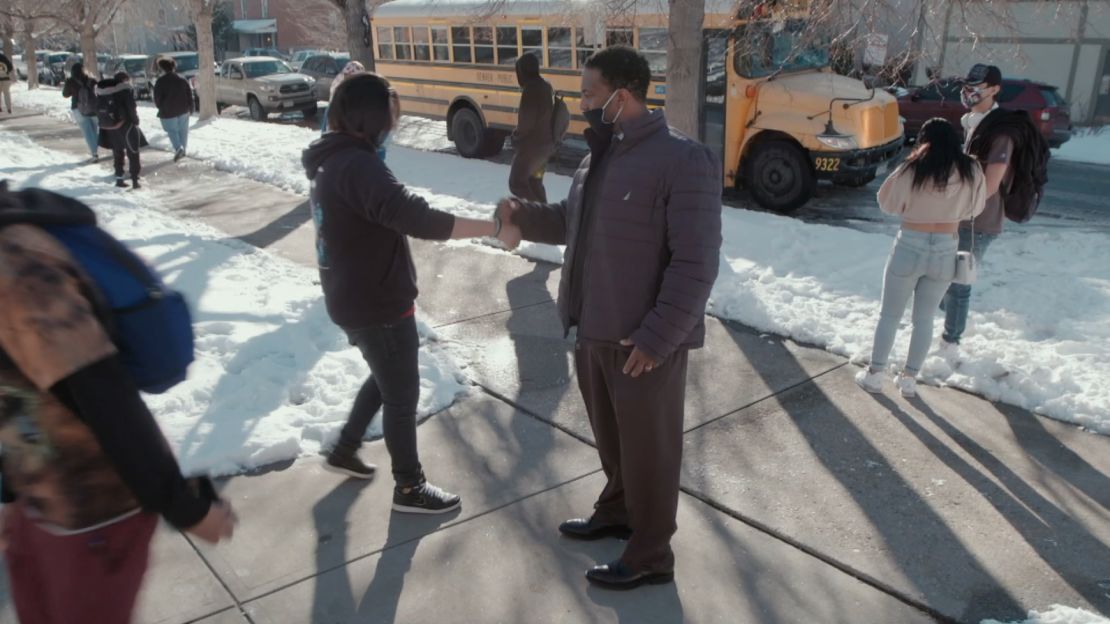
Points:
(1086, 145)
(274, 378)
(1059, 614)
(1039, 332)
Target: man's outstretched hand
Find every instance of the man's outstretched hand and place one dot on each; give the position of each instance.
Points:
(510, 235)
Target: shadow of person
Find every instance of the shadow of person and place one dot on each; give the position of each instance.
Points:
(329, 516)
(380, 601)
(644, 605)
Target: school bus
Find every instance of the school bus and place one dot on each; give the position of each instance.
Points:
(775, 113)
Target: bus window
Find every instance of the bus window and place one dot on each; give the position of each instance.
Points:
(770, 48)
(653, 44)
(460, 43)
(585, 49)
(440, 51)
(531, 42)
(560, 47)
(385, 43)
(618, 36)
(421, 43)
(506, 45)
(483, 45)
(403, 43)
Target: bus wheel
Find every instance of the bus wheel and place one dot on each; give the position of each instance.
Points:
(779, 176)
(472, 138)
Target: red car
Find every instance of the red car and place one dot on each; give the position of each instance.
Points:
(1046, 106)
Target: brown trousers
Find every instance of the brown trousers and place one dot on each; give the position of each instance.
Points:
(637, 424)
(526, 173)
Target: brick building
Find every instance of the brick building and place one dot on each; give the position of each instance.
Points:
(286, 25)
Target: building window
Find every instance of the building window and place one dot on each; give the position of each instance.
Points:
(483, 45)
(507, 51)
(421, 43)
(560, 47)
(243, 9)
(531, 42)
(584, 48)
(618, 36)
(403, 41)
(653, 44)
(265, 9)
(385, 43)
(440, 50)
(460, 44)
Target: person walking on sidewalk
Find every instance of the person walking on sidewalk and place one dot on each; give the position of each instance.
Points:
(7, 77)
(979, 93)
(933, 191)
(80, 88)
(642, 229)
(363, 218)
(119, 125)
(85, 469)
(533, 144)
(174, 99)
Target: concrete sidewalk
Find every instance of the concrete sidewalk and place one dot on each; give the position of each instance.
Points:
(805, 499)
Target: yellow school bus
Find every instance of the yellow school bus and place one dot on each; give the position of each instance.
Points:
(773, 110)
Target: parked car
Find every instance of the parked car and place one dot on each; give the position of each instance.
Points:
(135, 65)
(45, 62)
(265, 85)
(271, 52)
(299, 57)
(188, 63)
(1048, 109)
(324, 68)
(101, 61)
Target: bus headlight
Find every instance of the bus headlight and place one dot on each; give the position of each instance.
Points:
(838, 142)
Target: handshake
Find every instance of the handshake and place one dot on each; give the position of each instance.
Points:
(506, 230)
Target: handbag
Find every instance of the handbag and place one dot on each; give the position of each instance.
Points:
(965, 263)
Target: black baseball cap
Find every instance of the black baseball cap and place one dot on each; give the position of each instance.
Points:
(984, 74)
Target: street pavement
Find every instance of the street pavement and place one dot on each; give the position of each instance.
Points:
(804, 498)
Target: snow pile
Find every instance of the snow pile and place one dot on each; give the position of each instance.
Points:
(1059, 614)
(1089, 145)
(1038, 335)
(274, 378)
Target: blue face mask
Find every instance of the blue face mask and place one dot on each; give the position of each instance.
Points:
(382, 144)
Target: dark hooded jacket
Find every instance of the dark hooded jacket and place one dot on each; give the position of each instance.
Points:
(10, 73)
(363, 219)
(111, 86)
(537, 105)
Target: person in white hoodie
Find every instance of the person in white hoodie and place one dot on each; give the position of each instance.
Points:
(935, 189)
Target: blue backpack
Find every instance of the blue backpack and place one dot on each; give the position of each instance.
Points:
(149, 323)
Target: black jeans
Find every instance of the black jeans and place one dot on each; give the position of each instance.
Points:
(392, 351)
(125, 140)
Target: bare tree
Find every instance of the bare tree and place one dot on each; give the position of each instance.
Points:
(7, 31)
(684, 65)
(87, 18)
(356, 20)
(202, 11)
(321, 24)
(35, 21)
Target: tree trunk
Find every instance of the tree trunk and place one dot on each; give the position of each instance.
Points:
(8, 33)
(684, 65)
(88, 50)
(359, 40)
(206, 53)
(29, 54)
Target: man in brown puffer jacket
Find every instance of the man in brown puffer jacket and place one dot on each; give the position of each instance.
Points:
(532, 138)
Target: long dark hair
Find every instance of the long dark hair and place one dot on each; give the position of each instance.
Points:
(939, 152)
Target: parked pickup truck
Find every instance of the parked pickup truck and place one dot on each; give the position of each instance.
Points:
(264, 85)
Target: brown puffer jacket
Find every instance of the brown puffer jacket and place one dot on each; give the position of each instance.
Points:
(537, 105)
(652, 253)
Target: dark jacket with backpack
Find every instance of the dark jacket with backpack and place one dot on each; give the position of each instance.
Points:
(116, 111)
(537, 104)
(363, 219)
(79, 446)
(173, 96)
(82, 95)
(1028, 163)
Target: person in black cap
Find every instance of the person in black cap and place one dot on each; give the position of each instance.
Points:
(979, 94)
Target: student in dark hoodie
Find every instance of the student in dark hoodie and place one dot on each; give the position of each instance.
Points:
(119, 125)
(363, 217)
(532, 138)
(174, 98)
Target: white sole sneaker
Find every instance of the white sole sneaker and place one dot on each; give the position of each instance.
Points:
(421, 510)
(907, 386)
(871, 382)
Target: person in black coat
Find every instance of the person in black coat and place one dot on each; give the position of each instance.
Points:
(174, 98)
(119, 125)
(532, 138)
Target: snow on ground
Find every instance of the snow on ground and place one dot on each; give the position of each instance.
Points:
(1039, 332)
(1059, 614)
(1086, 145)
(274, 378)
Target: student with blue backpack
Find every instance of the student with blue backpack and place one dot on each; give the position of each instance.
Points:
(85, 471)
(80, 88)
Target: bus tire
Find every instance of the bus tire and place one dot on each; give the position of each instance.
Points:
(472, 138)
(779, 176)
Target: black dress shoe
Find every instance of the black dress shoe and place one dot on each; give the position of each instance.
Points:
(583, 529)
(617, 576)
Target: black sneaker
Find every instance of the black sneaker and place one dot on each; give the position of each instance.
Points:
(424, 498)
(179, 155)
(349, 464)
(135, 183)
(120, 183)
